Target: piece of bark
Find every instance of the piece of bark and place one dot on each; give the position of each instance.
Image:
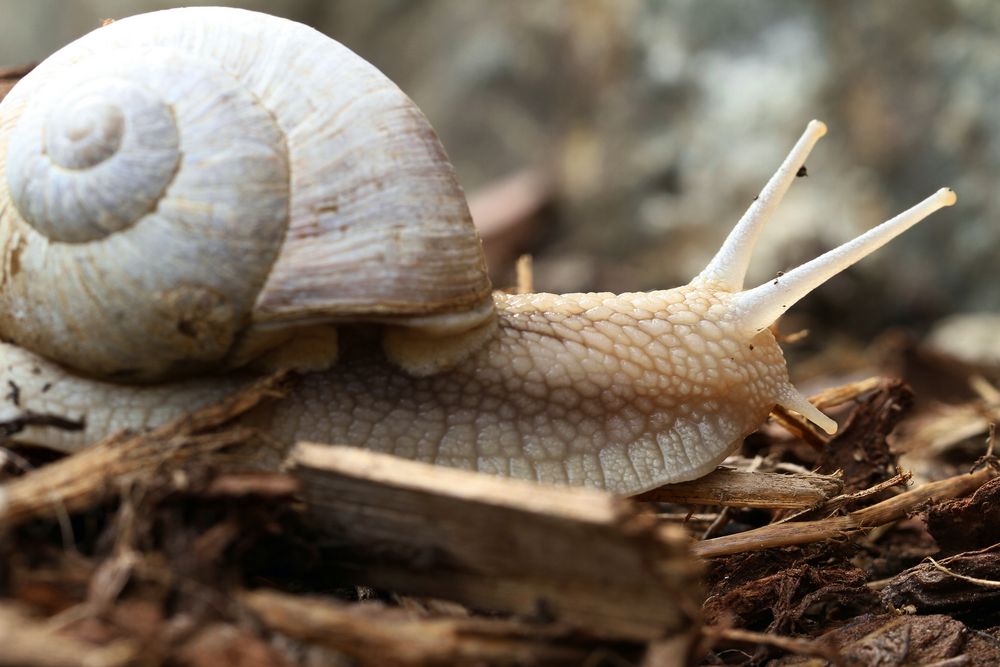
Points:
(968, 523)
(750, 489)
(789, 591)
(580, 556)
(928, 589)
(29, 642)
(376, 635)
(99, 472)
(802, 532)
(902, 641)
(793, 600)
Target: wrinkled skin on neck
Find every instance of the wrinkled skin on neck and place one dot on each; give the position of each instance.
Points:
(621, 392)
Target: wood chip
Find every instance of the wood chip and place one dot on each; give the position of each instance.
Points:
(579, 556)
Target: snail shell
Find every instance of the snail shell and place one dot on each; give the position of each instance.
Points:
(178, 182)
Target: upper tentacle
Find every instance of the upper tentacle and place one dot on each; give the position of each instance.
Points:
(761, 306)
(755, 309)
(729, 266)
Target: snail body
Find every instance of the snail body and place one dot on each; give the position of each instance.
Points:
(623, 392)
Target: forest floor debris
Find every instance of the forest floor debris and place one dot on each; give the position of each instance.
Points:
(198, 542)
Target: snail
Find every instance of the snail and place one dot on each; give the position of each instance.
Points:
(191, 196)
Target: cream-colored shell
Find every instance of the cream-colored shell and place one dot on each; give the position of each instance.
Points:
(175, 180)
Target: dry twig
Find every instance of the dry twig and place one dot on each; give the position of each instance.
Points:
(802, 532)
(834, 396)
(525, 275)
(790, 644)
(831, 506)
(735, 488)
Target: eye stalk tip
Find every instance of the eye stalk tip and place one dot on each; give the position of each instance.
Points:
(947, 196)
(816, 128)
(828, 425)
(729, 266)
(791, 399)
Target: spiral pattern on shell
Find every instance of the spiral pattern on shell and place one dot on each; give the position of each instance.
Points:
(176, 179)
(98, 161)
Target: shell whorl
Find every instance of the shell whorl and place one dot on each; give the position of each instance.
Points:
(95, 159)
(174, 179)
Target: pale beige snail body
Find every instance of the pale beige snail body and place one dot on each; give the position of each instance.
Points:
(332, 217)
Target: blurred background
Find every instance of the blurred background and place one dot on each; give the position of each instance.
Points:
(619, 141)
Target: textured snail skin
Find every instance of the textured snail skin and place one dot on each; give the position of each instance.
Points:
(621, 392)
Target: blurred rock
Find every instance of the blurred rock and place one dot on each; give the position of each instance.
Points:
(973, 338)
